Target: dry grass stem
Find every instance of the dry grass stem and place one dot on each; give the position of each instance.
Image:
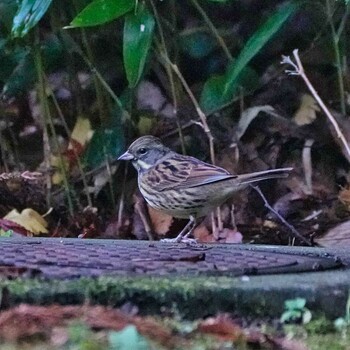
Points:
(298, 69)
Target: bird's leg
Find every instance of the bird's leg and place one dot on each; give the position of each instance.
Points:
(183, 235)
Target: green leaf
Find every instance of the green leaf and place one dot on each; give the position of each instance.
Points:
(126, 339)
(197, 44)
(22, 77)
(106, 142)
(257, 41)
(295, 304)
(28, 15)
(102, 11)
(235, 71)
(138, 34)
(213, 97)
(8, 10)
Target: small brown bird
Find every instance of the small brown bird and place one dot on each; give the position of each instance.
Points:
(183, 186)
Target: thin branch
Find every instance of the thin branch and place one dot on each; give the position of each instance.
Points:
(295, 233)
(201, 114)
(163, 50)
(335, 39)
(299, 70)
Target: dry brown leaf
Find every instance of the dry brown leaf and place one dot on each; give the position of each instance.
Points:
(338, 236)
(223, 327)
(202, 234)
(344, 196)
(306, 113)
(28, 320)
(160, 222)
(250, 114)
(30, 219)
(232, 236)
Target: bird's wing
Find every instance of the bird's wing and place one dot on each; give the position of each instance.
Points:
(180, 172)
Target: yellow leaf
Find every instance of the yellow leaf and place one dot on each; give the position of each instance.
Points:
(306, 113)
(145, 125)
(29, 219)
(82, 132)
(56, 163)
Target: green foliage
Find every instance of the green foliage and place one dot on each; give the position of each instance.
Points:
(21, 71)
(28, 15)
(341, 323)
(138, 33)
(8, 10)
(81, 337)
(197, 44)
(6, 234)
(295, 311)
(218, 91)
(105, 143)
(126, 339)
(102, 11)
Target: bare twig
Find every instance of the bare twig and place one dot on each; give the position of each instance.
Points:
(298, 69)
(295, 233)
(203, 123)
(336, 35)
(203, 118)
(174, 93)
(307, 164)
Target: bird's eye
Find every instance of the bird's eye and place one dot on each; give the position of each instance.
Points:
(142, 151)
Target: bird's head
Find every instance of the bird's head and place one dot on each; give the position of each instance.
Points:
(145, 152)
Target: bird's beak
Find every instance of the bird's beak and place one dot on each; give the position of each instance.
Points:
(126, 156)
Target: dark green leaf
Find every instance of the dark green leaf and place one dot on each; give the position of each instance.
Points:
(138, 33)
(197, 44)
(8, 10)
(236, 71)
(22, 76)
(102, 11)
(28, 15)
(107, 142)
(257, 41)
(213, 96)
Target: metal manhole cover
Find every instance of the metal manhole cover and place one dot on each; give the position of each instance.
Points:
(69, 258)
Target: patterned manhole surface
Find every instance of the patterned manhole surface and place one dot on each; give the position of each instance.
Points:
(70, 258)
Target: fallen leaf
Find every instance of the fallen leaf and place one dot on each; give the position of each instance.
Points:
(306, 113)
(231, 236)
(250, 114)
(223, 327)
(82, 132)
(344, 196)
(31, 220)
(27, 320)
(160, 222)
(338, 236)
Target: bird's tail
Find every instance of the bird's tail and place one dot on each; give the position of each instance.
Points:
(245, 179)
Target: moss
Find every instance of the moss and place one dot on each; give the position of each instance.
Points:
(192, 297)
